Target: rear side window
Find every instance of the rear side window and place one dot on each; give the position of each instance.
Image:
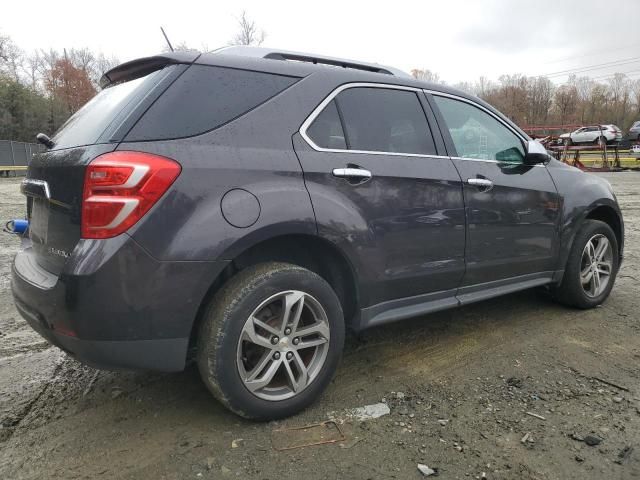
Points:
(326, 130)
(204, 98)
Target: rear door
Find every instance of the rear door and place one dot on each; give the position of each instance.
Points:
(381, 191)
(512, 209)
(590, 134)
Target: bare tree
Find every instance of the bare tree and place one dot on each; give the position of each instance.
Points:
(11, 57)
(635, 89)
(32, 66)
(583, 86)
(465, 87)
(539, 99)
(619, 89)
(181, 47)
(102, 64)
(248, 32)
(426, 75)
(565, 100)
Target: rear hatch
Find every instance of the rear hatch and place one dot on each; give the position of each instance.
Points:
(55, 178)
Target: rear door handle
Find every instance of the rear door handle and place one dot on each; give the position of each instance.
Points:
(482, 183)
(352, 173)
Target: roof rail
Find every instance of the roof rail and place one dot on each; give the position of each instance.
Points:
(261, 52)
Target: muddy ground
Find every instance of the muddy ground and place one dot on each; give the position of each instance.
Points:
(459, 385)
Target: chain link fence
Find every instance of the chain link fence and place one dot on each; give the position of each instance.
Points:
(15, 156)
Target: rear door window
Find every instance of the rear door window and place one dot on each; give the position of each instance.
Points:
(384, 120)
(204, 98)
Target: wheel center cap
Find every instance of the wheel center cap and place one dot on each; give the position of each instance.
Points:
(284, 343)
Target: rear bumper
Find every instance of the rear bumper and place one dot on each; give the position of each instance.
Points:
(160, 354)
(114, 306)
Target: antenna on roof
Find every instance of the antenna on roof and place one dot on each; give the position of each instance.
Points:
(167, 39)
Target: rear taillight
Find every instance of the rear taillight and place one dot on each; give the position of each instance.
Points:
(120, 187)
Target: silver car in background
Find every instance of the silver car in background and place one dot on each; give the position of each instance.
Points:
(593, 134)
(634, 132)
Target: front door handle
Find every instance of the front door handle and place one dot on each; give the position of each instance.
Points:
(352, 173)
(483, 184)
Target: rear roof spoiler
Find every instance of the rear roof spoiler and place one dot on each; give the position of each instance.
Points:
(143, 66)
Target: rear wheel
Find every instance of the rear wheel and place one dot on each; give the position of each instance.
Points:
(591, 267)
(271, 340)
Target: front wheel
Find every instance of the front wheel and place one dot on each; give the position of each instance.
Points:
(270, 341)
(591, 267)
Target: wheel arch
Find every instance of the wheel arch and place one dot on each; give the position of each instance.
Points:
(308, 251)
(604, 211)
(608, 215)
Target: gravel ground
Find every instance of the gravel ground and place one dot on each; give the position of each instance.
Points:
(512, 388)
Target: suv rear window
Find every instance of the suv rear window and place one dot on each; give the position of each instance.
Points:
(326, 130)
(204, 98)
(86, 125)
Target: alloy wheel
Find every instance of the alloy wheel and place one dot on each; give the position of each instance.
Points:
(283, 345)
(596, 265)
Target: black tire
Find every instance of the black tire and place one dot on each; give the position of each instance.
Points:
(570, 291)
(222, 326)
(601, 141)
(568, 142)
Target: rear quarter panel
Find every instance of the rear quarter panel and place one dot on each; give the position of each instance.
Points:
(254, 153)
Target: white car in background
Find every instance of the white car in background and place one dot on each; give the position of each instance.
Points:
(593, 134)
(634, 131)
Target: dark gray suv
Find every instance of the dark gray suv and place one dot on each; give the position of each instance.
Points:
(246, 206)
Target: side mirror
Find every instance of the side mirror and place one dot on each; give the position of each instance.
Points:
(536, 153)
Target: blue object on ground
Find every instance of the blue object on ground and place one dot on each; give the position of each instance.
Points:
(17, 226)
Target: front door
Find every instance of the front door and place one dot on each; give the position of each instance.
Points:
(512, 209)
(380, 191)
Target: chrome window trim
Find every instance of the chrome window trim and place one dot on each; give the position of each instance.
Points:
(469, 159)
(316, 111)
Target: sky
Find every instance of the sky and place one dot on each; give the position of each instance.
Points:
(459, 40)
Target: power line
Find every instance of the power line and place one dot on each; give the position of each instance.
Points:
(597, 53)
(631, 75)
(611, 75)
(588, 68)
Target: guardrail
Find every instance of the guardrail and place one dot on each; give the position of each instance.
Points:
(607, 156)
(15, 156)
